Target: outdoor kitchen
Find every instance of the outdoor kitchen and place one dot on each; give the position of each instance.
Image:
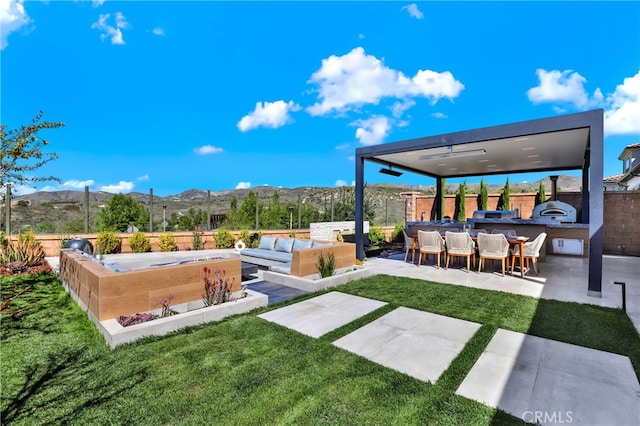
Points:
(565, 236)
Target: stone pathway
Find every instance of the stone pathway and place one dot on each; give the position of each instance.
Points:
(529, 377)
(419, 344)
(535, 379)
(322, 314)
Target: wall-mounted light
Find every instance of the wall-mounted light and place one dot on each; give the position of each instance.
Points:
(390, 172)
(451, 154)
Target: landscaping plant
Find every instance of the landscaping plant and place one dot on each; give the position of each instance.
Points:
(326, 265)
(197, 240)
(167, 242)
(217, 289)
(108, 242)
(223, 238)
(376, 236)
(139, 243)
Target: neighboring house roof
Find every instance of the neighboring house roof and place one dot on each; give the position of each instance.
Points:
(613, 179)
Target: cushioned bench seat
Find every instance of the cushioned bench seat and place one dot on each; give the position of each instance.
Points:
(280, 256)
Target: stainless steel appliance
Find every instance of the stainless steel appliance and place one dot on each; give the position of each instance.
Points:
(554, 209)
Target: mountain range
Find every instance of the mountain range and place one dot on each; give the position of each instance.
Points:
(61, 206)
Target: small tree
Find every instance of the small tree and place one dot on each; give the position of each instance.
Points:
(484, 196)
(542, 196)
(120, 212)
(461, 215)
(22, 152)
(506, 203)
(442, 194)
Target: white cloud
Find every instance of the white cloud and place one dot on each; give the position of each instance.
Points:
(621, 108)
(343, 146)
(373, 130)
(121, 187)
(69, 185)
(351, 158)
(561, 86)
(622, 115)
(341, 182)
(243, 185)
(158, 31)
(12, 18)
(143, 178)
(114, 33)
(17, 189)
(97, 3)
(439, 115)
(77, 184)
(268, 114)
(356, 79)
(398, 108)
(413, 11)
(208, 149)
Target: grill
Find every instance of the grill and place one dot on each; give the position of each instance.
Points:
(554, 209)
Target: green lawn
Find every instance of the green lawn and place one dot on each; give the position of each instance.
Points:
(56, 367)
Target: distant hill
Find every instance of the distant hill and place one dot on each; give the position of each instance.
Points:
(66, 206)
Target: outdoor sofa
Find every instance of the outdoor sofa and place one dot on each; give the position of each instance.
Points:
(297, 257)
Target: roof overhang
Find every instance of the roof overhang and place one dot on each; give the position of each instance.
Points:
(557, 143)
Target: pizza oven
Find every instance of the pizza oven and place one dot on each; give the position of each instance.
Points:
(554, 209)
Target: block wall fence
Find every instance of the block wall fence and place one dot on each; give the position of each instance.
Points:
(621, 221)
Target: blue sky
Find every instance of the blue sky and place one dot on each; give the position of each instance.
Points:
(224, 95)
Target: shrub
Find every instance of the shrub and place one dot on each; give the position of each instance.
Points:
(254, 239)
(25, 250)
(63, 239)
(326, 265)
(245, 237)
(108, 242)
(376, 236)
(139, 243)
(397, 236)
(167, 242)
(292, 234)
(197, 240)
(224, 239)
(46, 227)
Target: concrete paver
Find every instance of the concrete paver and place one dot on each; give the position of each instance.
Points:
(322, 314)
(419, 344)
(528, 376)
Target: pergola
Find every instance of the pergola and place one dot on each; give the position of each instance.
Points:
(567, 142)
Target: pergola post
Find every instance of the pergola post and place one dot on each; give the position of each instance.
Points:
(359, 216)
(596, 203)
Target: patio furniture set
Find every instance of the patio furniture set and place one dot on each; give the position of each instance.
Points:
(500, 244)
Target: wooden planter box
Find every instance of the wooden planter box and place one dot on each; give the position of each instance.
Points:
(110, 294)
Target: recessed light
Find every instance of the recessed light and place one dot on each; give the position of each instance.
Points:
(453, 168)
(533, 156)
(528, 148)
(441, 164)
(537, 162)
(522, 139)
(483, 161)
(491, 165)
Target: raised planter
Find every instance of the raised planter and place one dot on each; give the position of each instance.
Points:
(312, 283)
(192, 313)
